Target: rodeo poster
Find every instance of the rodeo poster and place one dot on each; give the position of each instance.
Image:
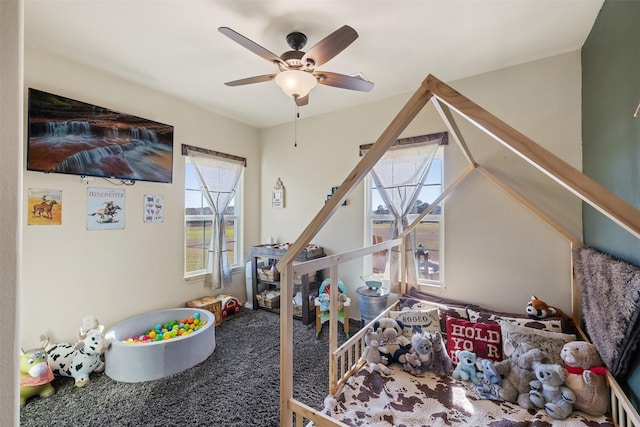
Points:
(45, 207)
(105, 209)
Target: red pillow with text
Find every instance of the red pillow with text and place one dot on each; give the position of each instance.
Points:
(483, 339)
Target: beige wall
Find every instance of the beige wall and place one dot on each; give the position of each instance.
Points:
(493, 246)
(69, 272)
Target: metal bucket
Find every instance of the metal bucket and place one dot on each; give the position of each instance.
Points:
(371, 302)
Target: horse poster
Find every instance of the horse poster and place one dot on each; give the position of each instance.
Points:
(45, 207)
(105, 209)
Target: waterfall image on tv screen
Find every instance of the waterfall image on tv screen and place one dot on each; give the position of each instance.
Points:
(72, 137)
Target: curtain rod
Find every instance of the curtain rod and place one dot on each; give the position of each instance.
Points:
(442, 136)
(186, 147)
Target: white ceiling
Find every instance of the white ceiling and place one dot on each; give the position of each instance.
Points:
(174, 46)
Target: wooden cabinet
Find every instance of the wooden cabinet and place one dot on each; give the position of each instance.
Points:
(308, 285)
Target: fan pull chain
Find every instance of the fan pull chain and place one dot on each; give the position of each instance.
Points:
(295, 126)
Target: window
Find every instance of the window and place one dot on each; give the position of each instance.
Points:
(427, 238)
(199, 219)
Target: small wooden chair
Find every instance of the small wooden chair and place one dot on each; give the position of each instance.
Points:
(322, 307)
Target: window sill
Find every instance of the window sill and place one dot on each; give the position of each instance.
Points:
(199, 277)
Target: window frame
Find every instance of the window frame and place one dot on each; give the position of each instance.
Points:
(238, 226)
(433, 218)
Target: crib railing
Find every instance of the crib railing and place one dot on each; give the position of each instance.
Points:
(347, 357)
(345, 360)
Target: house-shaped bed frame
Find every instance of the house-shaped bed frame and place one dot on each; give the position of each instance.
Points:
(344, 360)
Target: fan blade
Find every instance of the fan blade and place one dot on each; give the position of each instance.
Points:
(343, 81)
(330, 46)
(302, 100)
(250, 80)
(252, 46)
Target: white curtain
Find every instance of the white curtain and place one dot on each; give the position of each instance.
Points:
(398, 177)
(218, 178)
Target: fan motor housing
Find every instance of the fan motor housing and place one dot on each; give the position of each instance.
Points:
(296, 40)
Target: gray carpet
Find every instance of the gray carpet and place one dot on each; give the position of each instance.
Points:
(238, 385)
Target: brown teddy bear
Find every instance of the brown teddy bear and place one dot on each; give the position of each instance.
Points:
(587, 377)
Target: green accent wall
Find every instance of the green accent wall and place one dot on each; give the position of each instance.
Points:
(610, 133)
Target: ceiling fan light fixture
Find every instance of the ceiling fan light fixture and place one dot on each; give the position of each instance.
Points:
(296, 83)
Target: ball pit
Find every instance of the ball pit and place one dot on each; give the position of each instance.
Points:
(134, 356)
(172, 329)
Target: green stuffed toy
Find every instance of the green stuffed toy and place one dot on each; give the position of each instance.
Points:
(35, 375)
(586, 377)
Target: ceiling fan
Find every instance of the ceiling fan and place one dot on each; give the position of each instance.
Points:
(297, 74)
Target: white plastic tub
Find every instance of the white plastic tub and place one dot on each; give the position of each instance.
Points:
(137, 362)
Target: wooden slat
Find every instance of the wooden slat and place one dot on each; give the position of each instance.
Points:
(454, 130)
(596, 195)
(318, 418)
(388, 137)
(286, 347)
(334, 290)
(317, 264)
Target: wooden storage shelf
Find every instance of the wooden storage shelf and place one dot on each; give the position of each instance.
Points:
(307, 285)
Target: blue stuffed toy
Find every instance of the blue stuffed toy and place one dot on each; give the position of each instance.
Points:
(489, 373)
(466, 368)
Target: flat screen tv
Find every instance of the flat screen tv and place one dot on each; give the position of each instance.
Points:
(72, 137)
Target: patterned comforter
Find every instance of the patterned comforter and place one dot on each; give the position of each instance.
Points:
(400, 399)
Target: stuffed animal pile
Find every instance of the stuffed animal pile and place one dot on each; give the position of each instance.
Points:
(526, 376)
(518, 370)
(396, 348)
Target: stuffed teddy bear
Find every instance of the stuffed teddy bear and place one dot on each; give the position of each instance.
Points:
(466, 368)
(517, 371)
(549, 392)
(586, 377)
(422, 346)
(371, 353)
(35, 375)
(441, 360)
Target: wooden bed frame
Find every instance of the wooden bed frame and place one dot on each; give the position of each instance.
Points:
(345, 361)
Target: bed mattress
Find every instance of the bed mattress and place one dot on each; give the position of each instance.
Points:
(400, 399)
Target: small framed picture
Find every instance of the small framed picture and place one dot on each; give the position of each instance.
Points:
(153, 208)
(277, 195)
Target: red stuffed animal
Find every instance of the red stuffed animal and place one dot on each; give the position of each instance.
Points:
(540, 310)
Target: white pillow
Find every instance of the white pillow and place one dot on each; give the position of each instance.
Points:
(549, 342)
(417, 321)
